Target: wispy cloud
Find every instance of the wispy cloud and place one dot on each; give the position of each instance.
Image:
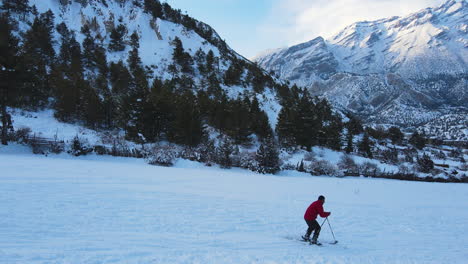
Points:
(296, 21)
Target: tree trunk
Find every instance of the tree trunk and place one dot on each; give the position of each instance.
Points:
(3, 100)
(4, 119)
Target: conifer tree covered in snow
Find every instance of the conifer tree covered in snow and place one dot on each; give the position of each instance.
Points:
(267, 157)
(224, 151)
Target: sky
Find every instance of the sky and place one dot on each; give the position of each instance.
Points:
(254, 26)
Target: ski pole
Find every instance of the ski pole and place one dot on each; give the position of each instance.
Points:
(323, 222)
(328, 221)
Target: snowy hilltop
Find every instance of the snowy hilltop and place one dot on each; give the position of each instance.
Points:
(408, 71)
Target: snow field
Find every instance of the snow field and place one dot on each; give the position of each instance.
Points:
(59, 209)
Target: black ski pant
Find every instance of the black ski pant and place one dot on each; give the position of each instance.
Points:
(313, 225)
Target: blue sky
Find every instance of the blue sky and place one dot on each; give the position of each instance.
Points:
(253, 26)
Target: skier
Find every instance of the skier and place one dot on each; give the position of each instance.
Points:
(310, 216)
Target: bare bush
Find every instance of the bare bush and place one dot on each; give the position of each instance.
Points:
(369, 169)
(21, 135)
(389, 156)
(310, 156)
(289, 166)
(403, 169)
(439, 154)
(323, 167)
(348, 165)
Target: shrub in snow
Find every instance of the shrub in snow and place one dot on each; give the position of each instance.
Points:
(247, 160)
(120, 148)
(425, 164)
(100, 150)
(389, 156)
(57, 146)
(191, 153)
(463, 167)
(440, 155)
(21, 135)
(289, 166)
(403, 169)
(323, 167)
(456, 153)
(79, 147)
(410, 154)
(310, 156)
(162, 156)
(369, 169)
(348, 165)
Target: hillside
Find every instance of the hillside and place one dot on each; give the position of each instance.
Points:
(123, 64)
(409, 71)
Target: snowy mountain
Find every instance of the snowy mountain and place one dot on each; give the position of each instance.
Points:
(402, 70)
(156, 32)
(139, 66)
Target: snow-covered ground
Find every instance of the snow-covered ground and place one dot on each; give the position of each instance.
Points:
(59, 209)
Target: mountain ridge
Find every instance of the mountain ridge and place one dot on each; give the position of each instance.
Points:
(418, 62)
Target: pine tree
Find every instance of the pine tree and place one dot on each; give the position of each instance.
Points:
(8, 72)
(354, 125)
(38, 56)
(417, 140)
(89, 49)
(161, 99)
(238, 123)
(153, 7)
(332, 132)
(365, 146)
(349, 147)
(181, 58)
(187, 126)
(285, 127)
(307, 122)
(233, 74)
(136, 99)
(267, 157)
(395, 135)
(300, 167)
(117, 38)
(16, 6)
(224, 152)
(68, 79)
(210, 62)
(425, 164)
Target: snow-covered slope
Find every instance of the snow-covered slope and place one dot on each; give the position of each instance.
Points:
(96, 210)
(156, 35)
(418, 62)
(156, 45)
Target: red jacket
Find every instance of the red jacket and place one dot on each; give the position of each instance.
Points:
(316, 208)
